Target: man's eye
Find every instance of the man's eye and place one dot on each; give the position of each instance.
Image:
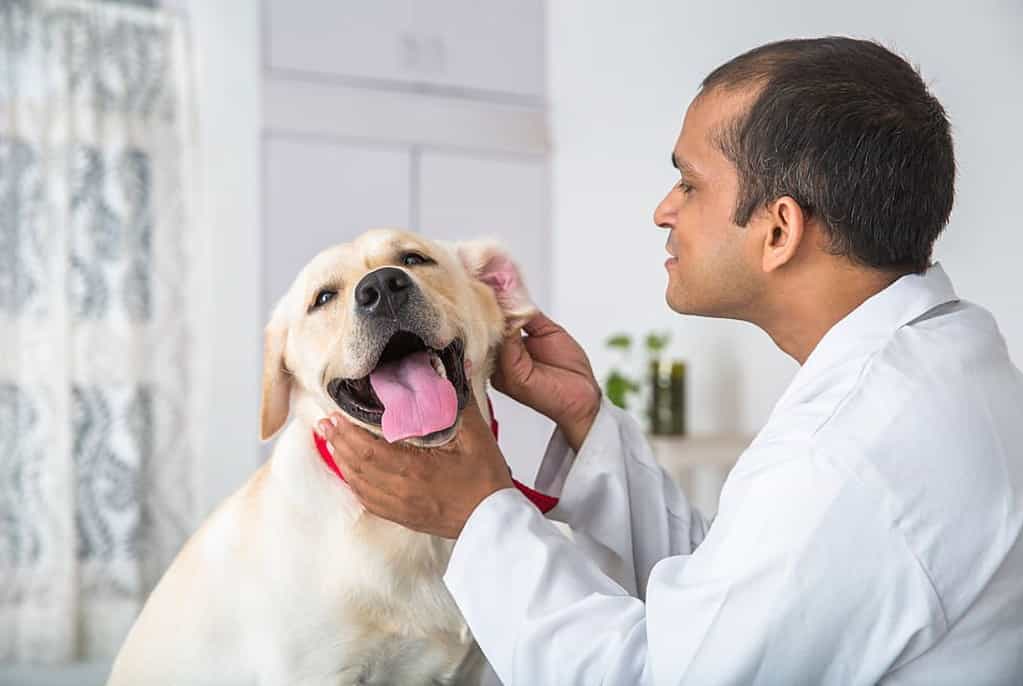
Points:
(411, 259)
(683, 186)
(322, 298)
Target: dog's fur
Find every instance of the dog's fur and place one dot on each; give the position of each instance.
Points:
(290, 580)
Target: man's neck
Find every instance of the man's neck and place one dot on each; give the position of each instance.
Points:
(805, 306)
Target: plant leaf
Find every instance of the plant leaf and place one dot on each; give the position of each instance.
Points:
(622, 341)
(656, 342)
(618, 387)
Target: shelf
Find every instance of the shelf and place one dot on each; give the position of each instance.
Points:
(720, 450)
(699, 464)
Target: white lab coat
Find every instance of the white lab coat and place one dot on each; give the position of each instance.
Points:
(870, 534)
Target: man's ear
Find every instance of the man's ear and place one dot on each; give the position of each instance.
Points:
(488, 262)
(276, 380)
(786, 231)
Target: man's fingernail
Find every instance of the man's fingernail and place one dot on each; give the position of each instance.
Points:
(335, 420)
(324, 427)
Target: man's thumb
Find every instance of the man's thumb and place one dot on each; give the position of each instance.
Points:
(513, 365)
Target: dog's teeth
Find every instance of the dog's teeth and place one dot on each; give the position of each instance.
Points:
(438, 365)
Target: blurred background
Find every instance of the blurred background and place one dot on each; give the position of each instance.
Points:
(167, 167)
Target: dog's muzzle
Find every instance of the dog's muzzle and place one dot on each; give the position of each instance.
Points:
(414, 391)
(384, 293)
(417, 386)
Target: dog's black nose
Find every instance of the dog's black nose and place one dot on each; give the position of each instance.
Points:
(383, 293)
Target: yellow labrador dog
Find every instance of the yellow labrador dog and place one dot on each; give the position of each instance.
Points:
(290, 581)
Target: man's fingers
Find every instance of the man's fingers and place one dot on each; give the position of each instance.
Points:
(339, 427)
(372, 473)
(356, 450)
(377, 499)
(540, 325)
(514, 365)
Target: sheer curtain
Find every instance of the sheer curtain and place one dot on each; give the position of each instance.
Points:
(98, 304)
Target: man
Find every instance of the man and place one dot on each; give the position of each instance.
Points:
(872, 531)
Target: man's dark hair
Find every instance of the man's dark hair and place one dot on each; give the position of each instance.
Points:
(848, 130)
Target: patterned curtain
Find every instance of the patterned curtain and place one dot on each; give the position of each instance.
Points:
(97, 312)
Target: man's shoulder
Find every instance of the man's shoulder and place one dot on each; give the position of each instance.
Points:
(936, 398)
(919, 434)
(934, 368)
(932, 426)
(932, 375)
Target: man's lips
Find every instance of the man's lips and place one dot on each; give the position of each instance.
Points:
(672, 260)
(670, 249)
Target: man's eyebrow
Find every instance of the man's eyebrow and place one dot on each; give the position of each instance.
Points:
(683, 166)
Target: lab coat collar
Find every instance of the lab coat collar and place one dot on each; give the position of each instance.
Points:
(868, 327)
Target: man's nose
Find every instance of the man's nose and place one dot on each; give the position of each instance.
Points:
(664, 215)
(383, 293)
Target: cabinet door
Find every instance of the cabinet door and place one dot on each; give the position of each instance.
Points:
(361, 39)
(482, 44)
(320, 193)
(476, 44)
(463, 197)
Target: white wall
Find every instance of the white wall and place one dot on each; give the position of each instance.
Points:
(621, 76)
(226, 38)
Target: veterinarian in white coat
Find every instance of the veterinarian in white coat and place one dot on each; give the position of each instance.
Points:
(872, 531)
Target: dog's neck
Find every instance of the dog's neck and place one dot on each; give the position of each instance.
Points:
(320, 503)
(313, 482)
(303, 474)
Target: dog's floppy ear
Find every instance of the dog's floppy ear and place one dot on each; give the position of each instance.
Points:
(488, 262)
(276, 380)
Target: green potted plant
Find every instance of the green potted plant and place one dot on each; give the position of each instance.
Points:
(618, 384)
(621, 383)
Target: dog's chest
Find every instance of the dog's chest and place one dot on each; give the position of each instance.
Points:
(410, 633)
(393, 660)
(375, 641)
(381, 616)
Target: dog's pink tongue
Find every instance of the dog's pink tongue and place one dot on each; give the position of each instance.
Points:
(417, 401)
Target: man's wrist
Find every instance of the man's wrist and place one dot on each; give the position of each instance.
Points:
(576, 431)
(493, 488)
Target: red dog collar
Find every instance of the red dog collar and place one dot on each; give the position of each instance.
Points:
(545, 503)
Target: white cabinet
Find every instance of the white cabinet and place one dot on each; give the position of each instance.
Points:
(480, 45)
(485, 44)
(460, 197)
(338, 38)
(320, 192)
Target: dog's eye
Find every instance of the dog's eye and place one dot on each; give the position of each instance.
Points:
(411, 259)
(322, 298)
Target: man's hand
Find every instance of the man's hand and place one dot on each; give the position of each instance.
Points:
(548, 371)
(430, 490)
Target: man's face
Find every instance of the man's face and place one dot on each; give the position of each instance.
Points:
(715, 265)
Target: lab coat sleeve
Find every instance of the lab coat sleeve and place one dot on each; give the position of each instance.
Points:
(624, 511)
(801, 580)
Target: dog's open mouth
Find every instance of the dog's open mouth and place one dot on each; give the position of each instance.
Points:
(414, 391)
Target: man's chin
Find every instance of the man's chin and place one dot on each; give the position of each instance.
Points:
(689, 307)
(677, 303)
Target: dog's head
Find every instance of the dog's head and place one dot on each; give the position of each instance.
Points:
(394, 330)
